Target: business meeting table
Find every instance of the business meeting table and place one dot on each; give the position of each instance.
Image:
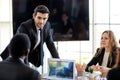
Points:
(85, 76)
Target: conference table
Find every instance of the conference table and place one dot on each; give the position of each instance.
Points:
(85, 76)
(96, 75)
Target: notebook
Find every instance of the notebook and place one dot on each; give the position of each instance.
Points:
(60, 69)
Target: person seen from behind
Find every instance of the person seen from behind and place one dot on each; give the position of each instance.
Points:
(13, 67)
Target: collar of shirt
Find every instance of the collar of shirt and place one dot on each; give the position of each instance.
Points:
(21, 60)
(37, 29)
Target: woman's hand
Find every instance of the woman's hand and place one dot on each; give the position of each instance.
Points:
(104, 69)
(95, 67)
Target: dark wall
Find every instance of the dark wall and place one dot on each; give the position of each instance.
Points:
(77, 11)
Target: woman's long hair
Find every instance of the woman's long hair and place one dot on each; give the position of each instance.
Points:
(112, 44)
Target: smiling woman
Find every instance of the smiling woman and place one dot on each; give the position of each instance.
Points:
(105, 55)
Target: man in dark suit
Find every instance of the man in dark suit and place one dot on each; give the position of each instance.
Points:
(13, 68)
(34, 28)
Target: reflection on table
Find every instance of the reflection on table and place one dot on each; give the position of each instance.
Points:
(91, 76)
(85, 76)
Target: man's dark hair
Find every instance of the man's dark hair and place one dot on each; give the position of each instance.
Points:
(19, 44)
(41, 9)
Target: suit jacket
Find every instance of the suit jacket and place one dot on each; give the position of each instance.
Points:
(99, 59)
(114, 74)
(36, 55)
(15, 69)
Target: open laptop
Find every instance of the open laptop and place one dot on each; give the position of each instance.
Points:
(60, 69)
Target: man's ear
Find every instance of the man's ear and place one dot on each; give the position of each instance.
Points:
(27, 52)
(33, 15)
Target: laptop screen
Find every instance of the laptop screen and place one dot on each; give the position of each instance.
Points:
(61, 68)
